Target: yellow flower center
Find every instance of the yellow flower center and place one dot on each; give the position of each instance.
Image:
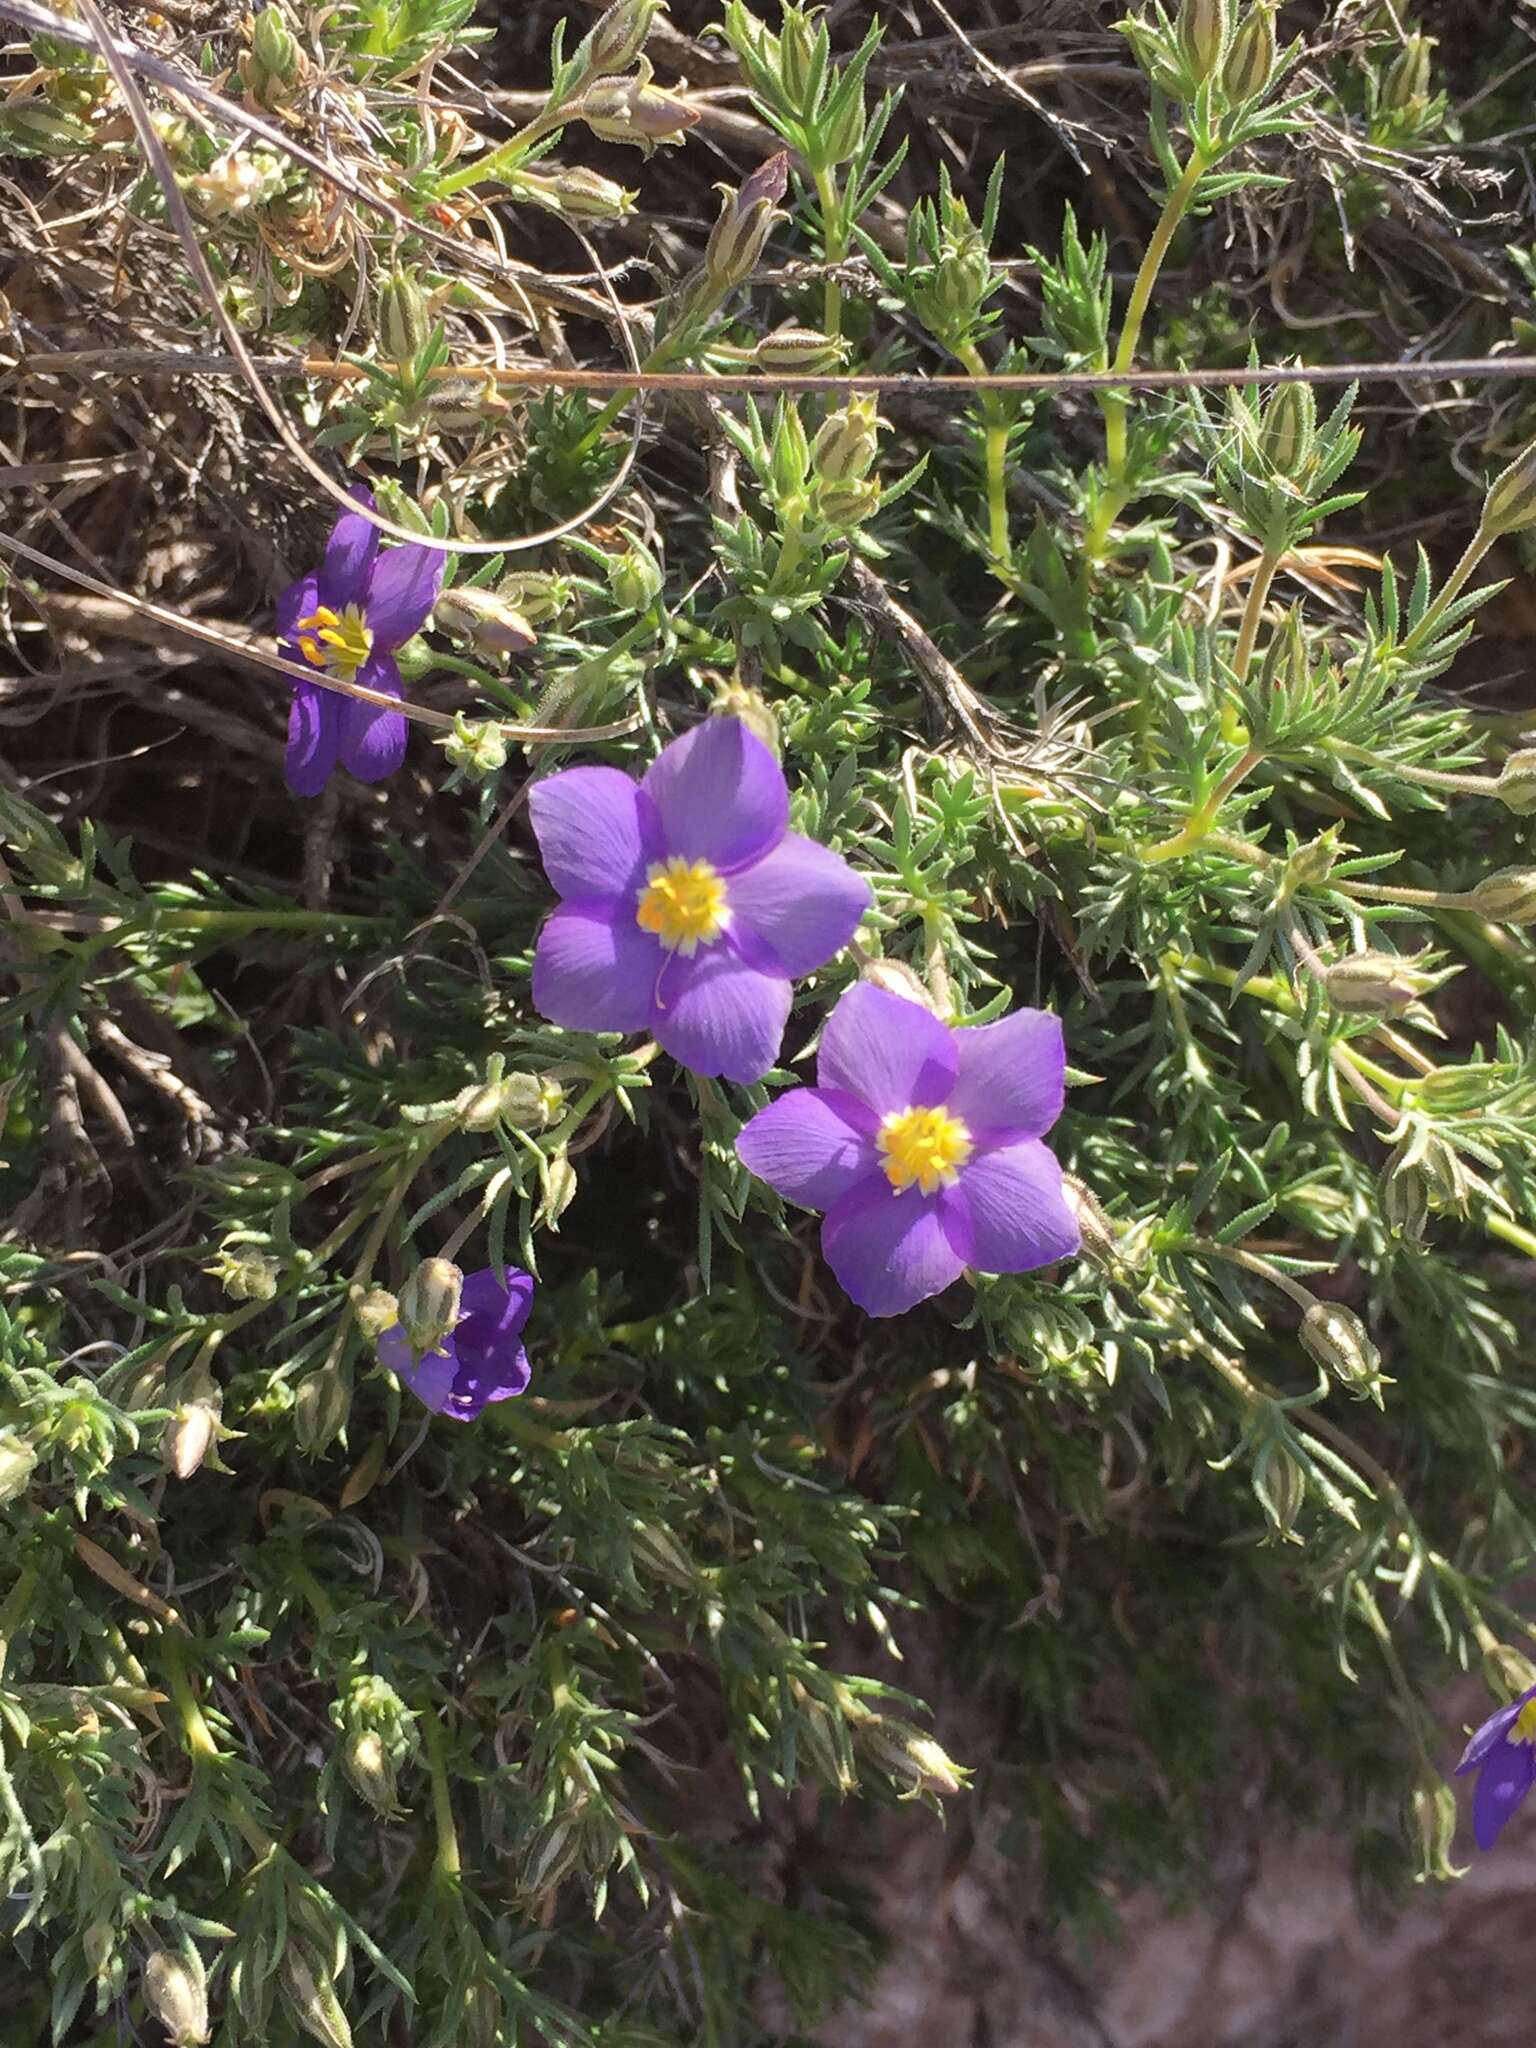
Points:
(1523, 1727)
(923, 1146)
(683, 903)
(338, 641)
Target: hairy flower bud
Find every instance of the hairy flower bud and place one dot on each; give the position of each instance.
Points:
(1339, 1342)
(523, 1102)
(491, 624)
(1516, 786)
(311, 1998)
(1281, 1485)
(1100, 1237)
(576, 192)
(799, 348)
(846, 443)
(1289, 430)
(405, 324)
(193, 1430)
(377, 1312)
(475, 747)
(1369, 984)
(1251, 59)
(635, 578)
(843, 506)
(1406, 84)
(618, 36)
(176, 1992)
(429, 1303)
(370, 1771)
(746, 219)
(1403, 1192)
(562, 1188)
(321, 1405)
(482, 2022)
(274, 64)
(236, 181)
(635, 111)
(18, 1460)
(897, 979)
(1507, 897)
(910, 1758)
(1507, 1672)
(1200, 36)
(735, 700)
(1510, 505)
(245, 1273)
(1432, 1818)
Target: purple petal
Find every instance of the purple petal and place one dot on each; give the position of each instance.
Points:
(594, 970)
(1493, 1730)
(349, 554)
(889, 1251)
(1503, 1782)
(720, 795)
(595, 833)
(431, 1381)
(888, 1053)
(1012, 1073)
(796, 907)
(373, 740)
(1019, 1217)
(314, 734)
(716, 1015)
(297, 602)
(402, 591)
(498, 1378)
(483, 1295)
(803, 1146)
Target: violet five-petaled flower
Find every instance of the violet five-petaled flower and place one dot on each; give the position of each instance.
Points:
(687, 905)
(922, 1144)
(1503, 1753)
(481, 1360)
(345, 620)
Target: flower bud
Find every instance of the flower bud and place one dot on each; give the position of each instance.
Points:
(575, 192)
(492, 625)
(524, 1102)
(1100, 1238)
(635, 578)
(311, 1998)
(274, 64)
(1200, 36)
(618, 37)
(18, 1461)
(377, 1312)
(1406, 84)
(176, 1992)
(948, 298)
(1507, 1673)
(483, 2021)
(1403, 1192)
(847, 505)
(635, 111)
(236, 181)
(194, 1429)
(735, 700)
(1507, 897)
(797, 40)
(660, 1554)
(1432, 1819)
(1289, 430)
(33, 128)
(1510, 506)
(405, 325)
(911, 1758)
(537, 595)
(369, 1770)
(475, 747)
(1369, 984)
(799, 348)
(1281, 1485)
(562, 1188)
(1251, 59)
(897, 979)
(429, 1304)
(245, 1273)
(98, 1944)
(746, 219)
(1516, 786)
(321, 1405)
(846, 443)
(1336, 1339)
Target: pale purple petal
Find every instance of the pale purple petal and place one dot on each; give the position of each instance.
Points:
(889, 1251)
(805, 1147)
(1492, 1731)
(595, 970)
(431, 1381)
(796, 907)
(297, 602)
(402, 591)
(720, 795)
(483, 1295)
(889, 1053)
(1019, 1216)
(596, 833)
(314, 734)
(716, 1015)
(372, 739)
(349, 554)
(1502, 1784)
(1011, 1073)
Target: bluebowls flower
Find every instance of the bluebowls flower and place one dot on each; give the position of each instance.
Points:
(688, 907)
(922, 1144)
(481, 1360)
(346, 619)
(1503, 1753)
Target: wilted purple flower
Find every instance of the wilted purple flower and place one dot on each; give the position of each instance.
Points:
(922, 1144)
(1503, 1753)
(347, 618)
(688, 906)
(482, 1361)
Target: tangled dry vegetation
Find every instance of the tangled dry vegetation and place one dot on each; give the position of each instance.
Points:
(322, 1719)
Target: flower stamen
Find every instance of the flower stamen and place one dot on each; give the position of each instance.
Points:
(1523, 1727)
(339, 642)
(923, 1147)
(684, 904)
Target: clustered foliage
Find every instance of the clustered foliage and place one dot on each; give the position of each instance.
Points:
(324, 1719)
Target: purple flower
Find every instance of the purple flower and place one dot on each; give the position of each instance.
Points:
(347, 619)
(483, 1360)
(922, 1144)
(688, 907)
(1503, 1753)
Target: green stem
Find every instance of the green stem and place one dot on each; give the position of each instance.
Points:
(1512, 1233)
(1253, 611)
(834, 242)
(995, 423)
(1474, 552)
(449, 1862)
